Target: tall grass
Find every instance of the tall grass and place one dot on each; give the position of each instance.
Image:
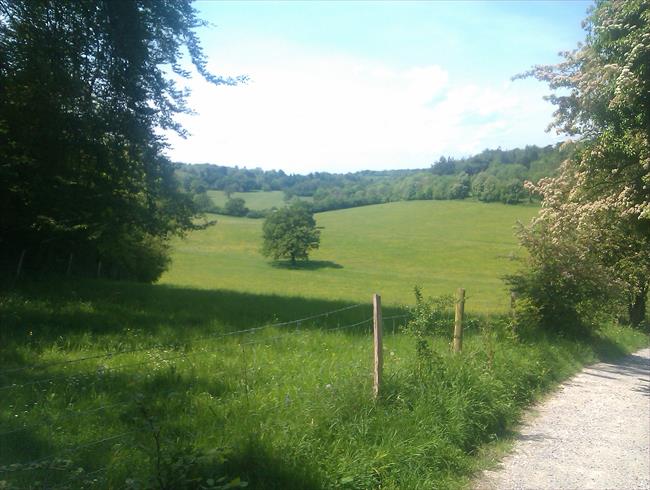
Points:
(282, 407)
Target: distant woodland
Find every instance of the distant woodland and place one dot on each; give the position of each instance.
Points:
(490, 176)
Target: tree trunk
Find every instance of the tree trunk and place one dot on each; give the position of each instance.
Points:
(293, 258)
(637, 308)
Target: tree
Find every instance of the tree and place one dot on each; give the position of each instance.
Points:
(290, 232)
(235, 206)
(443, 166)
(461, 187)
(512, 191)
(490, 189)
(84, 93)
(598, 207)
(203, 202)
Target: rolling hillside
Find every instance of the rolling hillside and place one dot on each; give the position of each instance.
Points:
(389, 248)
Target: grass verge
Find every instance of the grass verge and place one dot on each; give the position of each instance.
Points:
(185, 406)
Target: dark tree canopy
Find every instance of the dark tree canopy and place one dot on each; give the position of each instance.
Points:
(85, 89)
(290, 232)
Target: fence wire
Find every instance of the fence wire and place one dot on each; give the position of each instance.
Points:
(46, 462)
(103, 370)
(152, 347)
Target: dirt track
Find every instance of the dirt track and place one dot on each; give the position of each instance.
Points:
(593, 433)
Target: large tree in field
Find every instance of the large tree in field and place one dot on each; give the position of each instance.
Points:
(592, 236)
(290, 233)
(86, 87)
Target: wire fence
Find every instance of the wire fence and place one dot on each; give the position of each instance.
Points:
(325, 322)
(242, 339)
(103, 369)
(199, 339)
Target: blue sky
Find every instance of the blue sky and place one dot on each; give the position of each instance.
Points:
(342, 86)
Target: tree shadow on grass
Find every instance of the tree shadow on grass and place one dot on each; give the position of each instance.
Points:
(70, 319)
(115, 316)
(263, 468)
(306, 265)
(606, 349)
(62, 450)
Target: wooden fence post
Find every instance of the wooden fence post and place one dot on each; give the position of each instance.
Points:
(513, 302)
(458, 323)
(379, 360)
(20, 263)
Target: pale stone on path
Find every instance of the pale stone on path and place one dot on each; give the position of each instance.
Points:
(592, 434)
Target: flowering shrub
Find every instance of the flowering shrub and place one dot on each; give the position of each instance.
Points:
(592, 236)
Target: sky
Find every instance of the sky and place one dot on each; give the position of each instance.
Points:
(347, 86)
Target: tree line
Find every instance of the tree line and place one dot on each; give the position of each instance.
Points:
(490, 176)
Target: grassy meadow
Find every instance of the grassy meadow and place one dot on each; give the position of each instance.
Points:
(115, 385)
(389, 248)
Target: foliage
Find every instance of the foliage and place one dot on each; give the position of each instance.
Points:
(290, 232)
(137, 257)
(228, 204)
(255, 214)
(456, 179)
(430, 316)
(596, 213)
(563, 289)
(235, 206)
(177, 465)
(255, 201)
(85, 91)
(203, 202)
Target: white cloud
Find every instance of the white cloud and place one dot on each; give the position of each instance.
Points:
(306, 113)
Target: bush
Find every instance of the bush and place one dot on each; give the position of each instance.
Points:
(203, 202)
(139, 257)
(430, 316)
(561, 288)
(235, 206)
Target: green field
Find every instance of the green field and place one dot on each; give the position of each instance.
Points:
(257, 201)
(389, 248)
(112, 385)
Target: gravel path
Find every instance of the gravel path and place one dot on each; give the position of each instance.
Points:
(593, 433)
